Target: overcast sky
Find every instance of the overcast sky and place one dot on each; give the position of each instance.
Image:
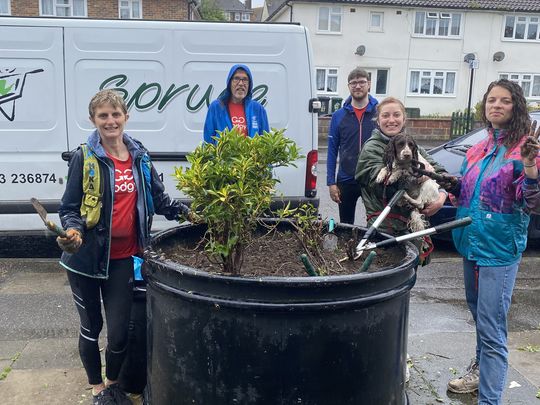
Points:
(256, 3)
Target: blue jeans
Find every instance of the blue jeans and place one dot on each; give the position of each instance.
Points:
(489, 293)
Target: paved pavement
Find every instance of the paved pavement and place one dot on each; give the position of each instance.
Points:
(39, 361)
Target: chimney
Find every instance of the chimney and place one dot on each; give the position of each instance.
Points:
(247, 4)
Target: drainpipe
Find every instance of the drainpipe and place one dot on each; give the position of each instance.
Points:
(288, 4)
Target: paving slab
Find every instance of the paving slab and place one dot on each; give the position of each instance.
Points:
(9, 348)
(524, 354)
(61, 386)
(439, 357)
(49, 353)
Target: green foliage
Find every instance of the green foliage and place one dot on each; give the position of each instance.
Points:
(211, 12)
(309, 228)
(231, 185)
(477, 111)
(530, 348)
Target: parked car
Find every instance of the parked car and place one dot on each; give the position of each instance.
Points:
(451, 155)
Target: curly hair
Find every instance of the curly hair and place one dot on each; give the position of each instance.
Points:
(520, 122)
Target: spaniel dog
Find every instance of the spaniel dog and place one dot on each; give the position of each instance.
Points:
(400, 155)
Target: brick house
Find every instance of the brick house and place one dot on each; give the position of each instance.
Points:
(121, 9)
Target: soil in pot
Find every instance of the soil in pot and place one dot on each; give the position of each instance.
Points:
(277, 253)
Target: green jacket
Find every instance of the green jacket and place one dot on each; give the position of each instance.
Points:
(375, 196)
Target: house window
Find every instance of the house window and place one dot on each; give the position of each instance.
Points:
(432, 82)
(529, 82)
(63, 8)
(5, 7)
(327, 80)
(376, 21)
(246, 17)
(437, 24)
(522, 27)
(379, 81)
(236, 16)
(130, 9)
(329, 19)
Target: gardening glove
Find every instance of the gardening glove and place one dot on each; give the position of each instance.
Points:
(72, 242)
(194, 218)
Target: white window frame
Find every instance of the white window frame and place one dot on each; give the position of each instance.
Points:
(332, 11)
(130, 8)
(237, 16)
(246, 17)
(376, 28)
(329, 72)
(437, 17)
(8, 2)
(433, 75)
(527, 81)
(67, 6)
(528, 20)
(373, 76)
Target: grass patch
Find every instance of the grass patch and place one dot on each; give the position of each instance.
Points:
(5, 372)
(530, 348)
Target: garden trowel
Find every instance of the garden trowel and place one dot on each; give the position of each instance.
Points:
(330, 240)
(43, 214)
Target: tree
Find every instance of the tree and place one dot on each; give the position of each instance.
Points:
(211, 12)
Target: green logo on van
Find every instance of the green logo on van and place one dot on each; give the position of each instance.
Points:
(153, 95)
(12, 82)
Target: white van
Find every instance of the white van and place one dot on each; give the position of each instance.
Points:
(168, 72)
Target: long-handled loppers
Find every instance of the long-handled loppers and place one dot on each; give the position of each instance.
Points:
(457, 223)
(384, 213)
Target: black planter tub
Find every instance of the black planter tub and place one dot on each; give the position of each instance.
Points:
(220, 340)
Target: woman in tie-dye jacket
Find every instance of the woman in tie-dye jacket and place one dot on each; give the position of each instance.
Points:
(499, 189)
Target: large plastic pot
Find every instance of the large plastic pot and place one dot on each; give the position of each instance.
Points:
(218, 340)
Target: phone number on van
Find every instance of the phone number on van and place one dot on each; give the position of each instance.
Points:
(29, 178)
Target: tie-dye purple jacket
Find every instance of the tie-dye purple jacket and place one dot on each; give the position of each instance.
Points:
(496, 196)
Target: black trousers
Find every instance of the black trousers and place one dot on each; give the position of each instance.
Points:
(349, 193)
(117, 294)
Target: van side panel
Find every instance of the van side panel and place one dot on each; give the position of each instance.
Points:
(32, 116)
(168, 73)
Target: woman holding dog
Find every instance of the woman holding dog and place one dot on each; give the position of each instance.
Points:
(498, 189)
(390, 120)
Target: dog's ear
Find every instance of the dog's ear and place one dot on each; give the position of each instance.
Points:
(390, 153)
(414, 147)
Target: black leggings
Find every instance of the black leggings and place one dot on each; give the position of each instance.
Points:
(349, 194)
(117, 293)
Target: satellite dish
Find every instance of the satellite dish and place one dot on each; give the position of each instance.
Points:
(469, 58)
(360, 50)
(498, 56)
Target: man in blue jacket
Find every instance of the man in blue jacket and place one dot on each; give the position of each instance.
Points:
(350, 127)
(235, 107)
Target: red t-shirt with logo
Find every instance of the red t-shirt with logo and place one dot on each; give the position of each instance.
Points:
(124, 238)
(238, 117)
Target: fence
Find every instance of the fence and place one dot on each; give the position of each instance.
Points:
(459, 125)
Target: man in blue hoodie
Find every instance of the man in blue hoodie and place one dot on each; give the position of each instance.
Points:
(350, 127)
(235, 107)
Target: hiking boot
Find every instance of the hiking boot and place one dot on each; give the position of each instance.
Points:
(467, 383)
(119, 396)
(136, 399)
(103, 398)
